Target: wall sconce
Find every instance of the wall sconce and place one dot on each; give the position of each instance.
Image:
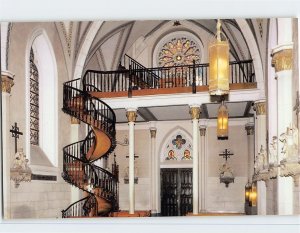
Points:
(253, 195)
(20, 171)
(218, 51)
(222, 124)
(248, 188)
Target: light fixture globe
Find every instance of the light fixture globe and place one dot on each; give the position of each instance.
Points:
(218, 51)
(222, 123)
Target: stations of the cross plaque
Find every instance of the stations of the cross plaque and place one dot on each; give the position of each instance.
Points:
(226, 154)
(15, 134)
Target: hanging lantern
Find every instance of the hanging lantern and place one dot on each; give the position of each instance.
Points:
(247, 192)
(253, 195)
(222, 126)
(218, 51)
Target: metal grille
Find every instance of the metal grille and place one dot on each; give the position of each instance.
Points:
(34, 101)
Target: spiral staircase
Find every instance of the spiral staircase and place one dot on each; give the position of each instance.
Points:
(99, 185)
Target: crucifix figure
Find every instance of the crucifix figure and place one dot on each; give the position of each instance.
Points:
(226, 154)
(15, 134)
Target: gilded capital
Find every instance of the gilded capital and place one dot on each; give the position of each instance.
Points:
(260, 108)
(202, 130)
(7, 82)
(250, 129)
(131, 116)
(195, 112)
(75, 121)
(153, 132)
(283, 60)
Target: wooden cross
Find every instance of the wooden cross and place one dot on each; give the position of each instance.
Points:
(15, 134)
(135, 156)
(297, 107)
(226, 154)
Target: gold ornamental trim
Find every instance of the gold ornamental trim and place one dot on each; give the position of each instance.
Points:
(260, 108)
(131, 116)
(195, 112)
(153, 132)
(283, 60)
(75, 121)
(7, 83)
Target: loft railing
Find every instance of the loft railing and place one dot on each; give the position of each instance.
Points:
(136, 78)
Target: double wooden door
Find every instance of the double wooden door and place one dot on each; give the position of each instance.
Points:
(176, 191)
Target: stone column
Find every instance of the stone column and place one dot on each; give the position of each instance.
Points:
(249, 127)
(203, 168)
(7, 83)
(282, 61)
(153, 170)
(75, 123)
(195, 114)
(131, 116)
(261, 144)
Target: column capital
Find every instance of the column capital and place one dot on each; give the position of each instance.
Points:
(260, 107)
(131, 114)
(282, 57)
(202, 129)
(75, 121)
(7, 79)
(195, 111)
(153, 132)
(249, 127)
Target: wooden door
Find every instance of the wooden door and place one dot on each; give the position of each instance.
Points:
(176, 191)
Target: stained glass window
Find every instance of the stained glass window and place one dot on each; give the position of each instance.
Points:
(178, 148)
(34, 101)
(178, 51)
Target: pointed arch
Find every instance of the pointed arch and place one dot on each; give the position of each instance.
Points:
(45, 61)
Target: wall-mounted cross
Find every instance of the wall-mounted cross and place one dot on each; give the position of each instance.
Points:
(15, 134)
(135, 156)
(226, 154)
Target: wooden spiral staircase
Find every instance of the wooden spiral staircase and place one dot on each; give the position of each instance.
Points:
(100, 186)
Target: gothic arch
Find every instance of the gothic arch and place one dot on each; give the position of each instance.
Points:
(48, 94)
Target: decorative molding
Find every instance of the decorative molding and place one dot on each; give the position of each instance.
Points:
(75, 121)
(202, 129)
(7, 81)
(68, 36)
(153, 132)
(195, 112)
(260, 107)
(265, 175)
(131, 115)
(249, 128)
(283, 60)
(290, 169)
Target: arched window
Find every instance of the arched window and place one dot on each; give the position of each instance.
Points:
(34, 101)
(42, 106)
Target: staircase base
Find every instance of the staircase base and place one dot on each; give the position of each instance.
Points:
(137, 213)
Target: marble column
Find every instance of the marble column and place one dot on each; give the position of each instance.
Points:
(261, 145)
(195, 115)
(282, 61)
(249, 127)
(131, 117)
(7, 83)
(153, 170)
(203, 167)
(74, 137)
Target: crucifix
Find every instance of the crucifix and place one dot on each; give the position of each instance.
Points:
(135, 156)
(297, 108)
(226, 154)
(15, 134)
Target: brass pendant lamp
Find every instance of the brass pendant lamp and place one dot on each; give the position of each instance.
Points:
(222, 124)
(218, 51)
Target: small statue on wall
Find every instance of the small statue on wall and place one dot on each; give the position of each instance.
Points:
(289, 141)
(226, 174)
(273, 151)
(261, 160)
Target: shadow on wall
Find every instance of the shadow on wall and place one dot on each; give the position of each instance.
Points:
(23, 211)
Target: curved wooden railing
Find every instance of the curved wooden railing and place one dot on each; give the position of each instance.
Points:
(100, 186)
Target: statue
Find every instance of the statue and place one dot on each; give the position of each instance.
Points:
(273, 151)
(289, 141)
(226, 174)
(261, 160)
